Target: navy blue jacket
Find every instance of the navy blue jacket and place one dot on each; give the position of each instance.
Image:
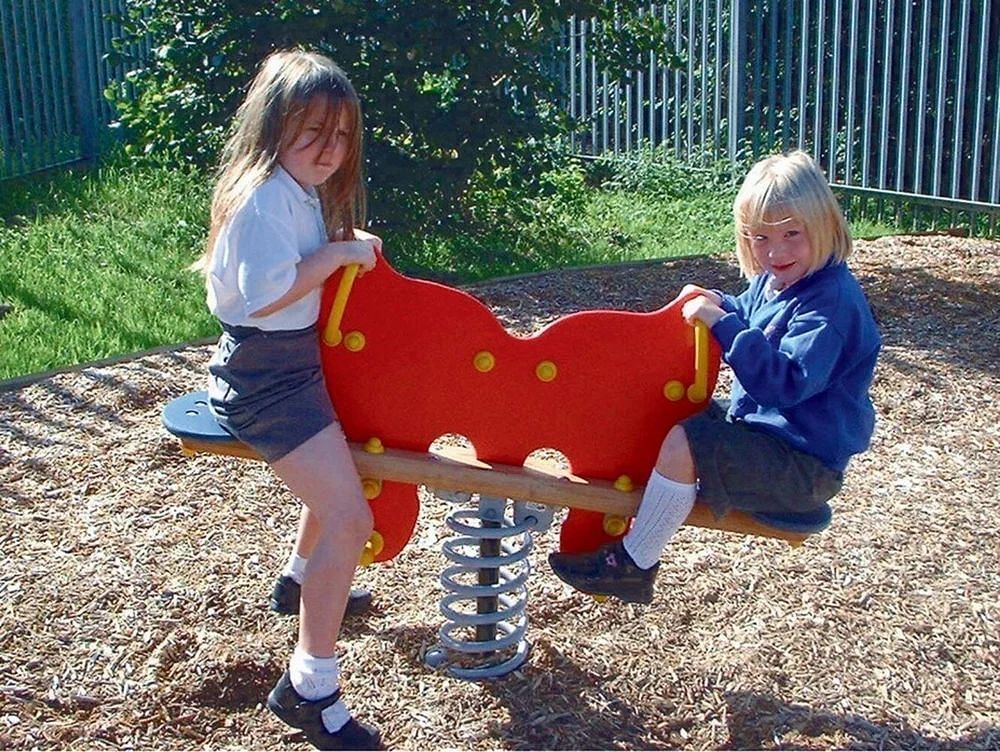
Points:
(803, 362)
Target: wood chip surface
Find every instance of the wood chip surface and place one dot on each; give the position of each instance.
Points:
(134, 579)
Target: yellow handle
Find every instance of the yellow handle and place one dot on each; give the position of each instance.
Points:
(698, 391)
(332, 334)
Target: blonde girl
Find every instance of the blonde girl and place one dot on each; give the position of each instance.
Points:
(802, 344)
(285, 214)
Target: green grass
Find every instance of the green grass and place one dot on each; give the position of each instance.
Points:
(93, 264)
(578, 215)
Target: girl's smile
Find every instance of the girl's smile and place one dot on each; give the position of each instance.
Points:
(783, 250)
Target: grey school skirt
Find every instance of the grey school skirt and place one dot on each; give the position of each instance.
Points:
(266, 388)
(742, 467)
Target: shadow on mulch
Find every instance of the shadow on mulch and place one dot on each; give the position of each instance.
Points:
(549, 711)
(134, 580)
(69, 418)
(544, 715)
(756, 720)
(920, 311)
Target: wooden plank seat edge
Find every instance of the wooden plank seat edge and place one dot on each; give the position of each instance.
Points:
(188, 419)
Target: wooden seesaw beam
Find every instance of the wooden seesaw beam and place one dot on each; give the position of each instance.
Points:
(455, 469)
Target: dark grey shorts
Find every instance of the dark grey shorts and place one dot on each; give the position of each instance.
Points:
(266, 388)
(743, 467)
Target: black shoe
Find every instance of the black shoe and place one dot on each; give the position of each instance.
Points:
(287, 592)
(307, 715)
(607, 571)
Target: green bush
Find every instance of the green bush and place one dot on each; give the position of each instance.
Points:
(450, 89)
(656, 172)
(582, 212)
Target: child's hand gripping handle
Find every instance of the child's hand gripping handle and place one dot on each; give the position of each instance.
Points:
(698, 391)
(332, 334)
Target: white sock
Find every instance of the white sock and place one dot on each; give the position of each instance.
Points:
(664, 507)
(295, 567)
(315, 678)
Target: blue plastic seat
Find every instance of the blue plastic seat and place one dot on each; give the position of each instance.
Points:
(805, 522)
(188, 417)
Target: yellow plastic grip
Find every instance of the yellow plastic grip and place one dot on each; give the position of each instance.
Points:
(332, 334)
(698, 391)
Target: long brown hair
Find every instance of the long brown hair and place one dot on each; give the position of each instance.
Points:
(286, 84)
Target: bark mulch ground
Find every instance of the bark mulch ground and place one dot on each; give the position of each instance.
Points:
(134, 580)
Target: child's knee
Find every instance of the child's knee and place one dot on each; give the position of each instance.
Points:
(344, 513)
(676, 443)
(358, 518)
(675, 460)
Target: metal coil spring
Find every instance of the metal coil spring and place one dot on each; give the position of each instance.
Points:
(499, 563)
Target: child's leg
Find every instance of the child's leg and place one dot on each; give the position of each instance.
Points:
(666, 502)
(306, 539)
(308, 534)
(285, 594)
(295, 567)
(627, 568)
(675, 460)
(322, 474)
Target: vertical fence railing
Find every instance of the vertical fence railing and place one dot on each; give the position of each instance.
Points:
(36, 95)
(896, 99)
(53, 72)
(83, 50)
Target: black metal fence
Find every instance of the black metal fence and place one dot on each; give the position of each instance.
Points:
(53, 72)
(899, 100)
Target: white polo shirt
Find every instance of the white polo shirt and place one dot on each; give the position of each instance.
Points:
(257, 250)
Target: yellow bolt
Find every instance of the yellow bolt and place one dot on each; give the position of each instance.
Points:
(614, 525)
(374, 446)
(371, 487)
(484, 361)
(673, 390)
(599, 598)
(354, 341)
(624, 483)
(372, 549)
(546, 370)
(696, 393)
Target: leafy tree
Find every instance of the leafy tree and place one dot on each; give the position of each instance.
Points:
(449, 87)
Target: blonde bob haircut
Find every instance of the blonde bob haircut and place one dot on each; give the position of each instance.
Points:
(785, 188)
(287, 84)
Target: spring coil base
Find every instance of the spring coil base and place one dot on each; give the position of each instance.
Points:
(489, 571)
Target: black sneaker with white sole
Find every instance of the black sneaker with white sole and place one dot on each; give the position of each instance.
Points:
(607, 571)
(307, 715)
